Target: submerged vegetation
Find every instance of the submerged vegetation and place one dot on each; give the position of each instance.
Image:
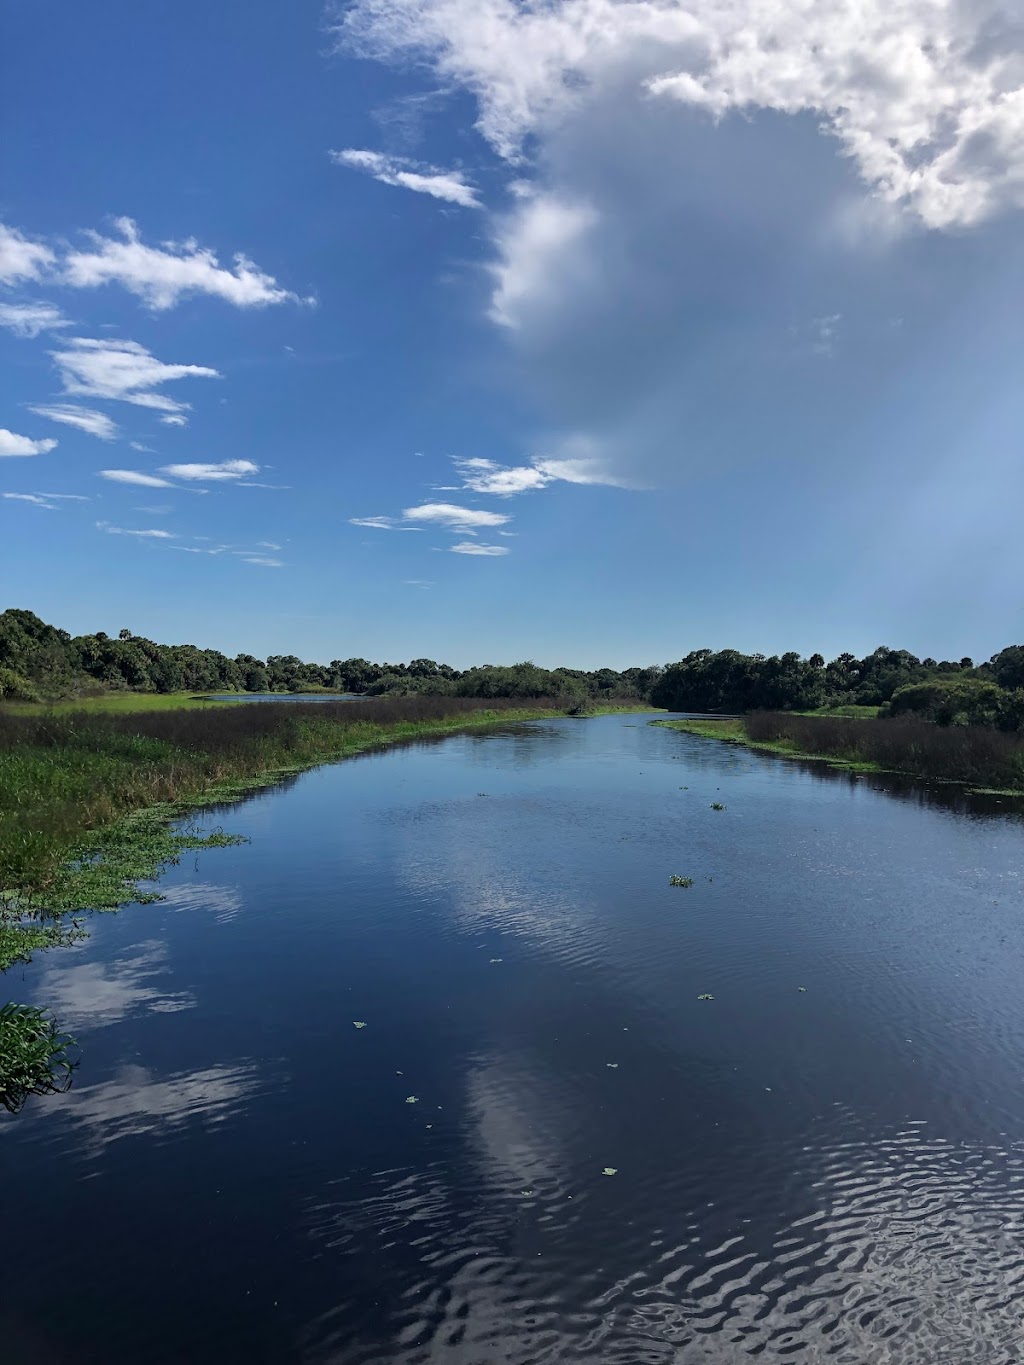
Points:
(975, 755)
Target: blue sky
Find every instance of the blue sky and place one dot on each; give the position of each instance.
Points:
(590, 331)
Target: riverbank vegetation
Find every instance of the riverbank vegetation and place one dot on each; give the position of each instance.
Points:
(40, 663)
(977, 756)
(948, 691)
(87, 802)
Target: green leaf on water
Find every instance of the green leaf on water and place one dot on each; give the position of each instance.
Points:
(610, 1170)
(412, 1099)
(358, 1023)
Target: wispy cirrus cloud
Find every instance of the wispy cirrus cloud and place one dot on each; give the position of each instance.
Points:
(27, 320)
(135, 476)
(37, 500)
(13, 444)
(264, 561)
(21, 257)
(454, 517)
(124, 371)
(161, 276)
(84, 419)
(475, 547)
(449, 186)
(381, 524)
(125, 531)
(226, 472)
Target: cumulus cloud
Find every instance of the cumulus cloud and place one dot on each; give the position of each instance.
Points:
(22, 258)
(13, 444)
(29, 319)
(84, 419)
(163, 275)
(457, 518)
(410, 175)
(485, 476)
(686, 176)
(123, 531)
(924, 96)
(134, 476)
(226, 471)
(125, 371)
(475, 547)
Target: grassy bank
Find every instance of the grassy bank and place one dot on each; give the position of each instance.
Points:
(974, 755)
(87, 800)
(117, 704)
(72, 785)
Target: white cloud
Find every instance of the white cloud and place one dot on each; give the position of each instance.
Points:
(134, 476)
(13, 444)
(458, 518)
(380, 524)
(174, 419)
(474, 547)
(29, 319)
(161, 276)
(264, 560)
(392, 170)
(85, 419)
(122, 531)
(540, 239)
(125, 371)
(484, 476)
(142, 449)
(227, 470)
(36, 498)
(924, 96)
(268, 545)
(21, 258)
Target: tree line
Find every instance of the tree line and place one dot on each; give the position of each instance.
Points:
(948, 691)
(37, 659)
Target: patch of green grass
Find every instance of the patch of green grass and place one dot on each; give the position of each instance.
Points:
(120, 704)
(35, 1057)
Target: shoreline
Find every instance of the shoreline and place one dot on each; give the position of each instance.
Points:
(730, 730)
(102, 867)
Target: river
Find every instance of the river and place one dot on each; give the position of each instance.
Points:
(421, 1076)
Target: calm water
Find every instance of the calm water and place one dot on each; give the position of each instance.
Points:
(834, 1174)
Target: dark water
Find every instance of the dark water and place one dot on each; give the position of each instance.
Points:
(286, 696)
(834, 1174)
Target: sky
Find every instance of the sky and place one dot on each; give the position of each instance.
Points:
(584, 331)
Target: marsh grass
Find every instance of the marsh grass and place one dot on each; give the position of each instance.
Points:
(975, 755)
(35, 1057)
(86, 799)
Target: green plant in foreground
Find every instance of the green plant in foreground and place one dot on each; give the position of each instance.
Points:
(680, 881)
(34, 1055)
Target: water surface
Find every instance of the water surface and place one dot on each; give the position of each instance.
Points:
(823, 1163)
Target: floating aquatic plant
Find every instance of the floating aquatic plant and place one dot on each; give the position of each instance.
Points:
(705, 997)
(412, 1099)
(610, 1170)
(680, 881)
(358, 1023)
(717, 805)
